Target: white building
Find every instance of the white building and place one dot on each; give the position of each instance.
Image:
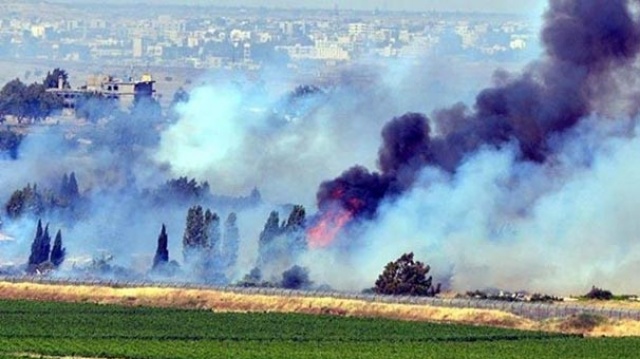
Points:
(138, 47)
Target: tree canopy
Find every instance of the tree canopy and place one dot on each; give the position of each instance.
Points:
(28, 101)
(52, 78)
(406, 277)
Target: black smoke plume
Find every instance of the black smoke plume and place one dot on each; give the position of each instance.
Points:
(585, 41)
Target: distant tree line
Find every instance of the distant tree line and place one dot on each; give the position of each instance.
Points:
(184, 190)
(31, 200)
(211, 249)
(181, 190)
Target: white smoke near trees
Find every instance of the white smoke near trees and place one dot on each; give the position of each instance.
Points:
(207, 132)
(224, 133)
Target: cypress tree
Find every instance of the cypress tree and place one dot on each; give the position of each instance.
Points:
(41, 247)
(211, 230)
(35, 246)
(162, 252)
(271, 229)
(64, 186)
(194, 237)
(58, 253)
(39, 230)
(268, 235)
(295, 230)
(45, 249)
(73, 191)
(231, 242)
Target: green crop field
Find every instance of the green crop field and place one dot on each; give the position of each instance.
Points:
(32, 329)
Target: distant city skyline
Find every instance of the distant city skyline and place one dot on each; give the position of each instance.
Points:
(487, 6)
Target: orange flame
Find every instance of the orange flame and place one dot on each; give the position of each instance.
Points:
(327, 228)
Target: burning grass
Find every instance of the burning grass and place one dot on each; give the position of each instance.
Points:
(233, 302)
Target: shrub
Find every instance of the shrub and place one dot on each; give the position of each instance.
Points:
(406, 277)
(582, 322)
(296, 278)
(599, 294)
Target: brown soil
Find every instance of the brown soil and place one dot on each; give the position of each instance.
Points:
(232, 302)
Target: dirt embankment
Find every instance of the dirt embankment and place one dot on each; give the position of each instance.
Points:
(233, 302)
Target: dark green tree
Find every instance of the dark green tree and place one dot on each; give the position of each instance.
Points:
(162, 252)
(69, 188)
(296, 277)
(32, 101)
(253, 279)
(13, 100)
(599, 294)
(406, 277)
(9, 143)
(268, 235)
(127, 132)
(39, 103)
(182, 190)
(212, 235)
(94, 106)
(40, 248)
(180, 96)
(26, 201)
(231, 243)
(58, 253)
(213, 250)
(72, 187)
(295, 230)
(204, 246)
(146, 110)
(64, 185)
(255, 197)
(194, 237)
(53, 77)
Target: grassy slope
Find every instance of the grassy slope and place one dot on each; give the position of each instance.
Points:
(88, 330)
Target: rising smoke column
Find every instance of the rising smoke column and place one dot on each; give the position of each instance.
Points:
(585, 43)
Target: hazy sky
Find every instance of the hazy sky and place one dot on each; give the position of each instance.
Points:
(461, 5)
(503, 6)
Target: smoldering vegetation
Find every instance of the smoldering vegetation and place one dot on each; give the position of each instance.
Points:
(528, 185)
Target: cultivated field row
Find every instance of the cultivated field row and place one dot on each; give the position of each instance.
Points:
(535, 311)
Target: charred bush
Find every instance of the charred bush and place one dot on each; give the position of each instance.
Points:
(296, 277)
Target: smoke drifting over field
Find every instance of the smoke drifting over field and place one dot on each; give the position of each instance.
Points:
(530, 186)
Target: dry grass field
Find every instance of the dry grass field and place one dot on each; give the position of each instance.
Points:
(232, 302)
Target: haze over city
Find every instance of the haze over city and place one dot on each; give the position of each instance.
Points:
(490, 6)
